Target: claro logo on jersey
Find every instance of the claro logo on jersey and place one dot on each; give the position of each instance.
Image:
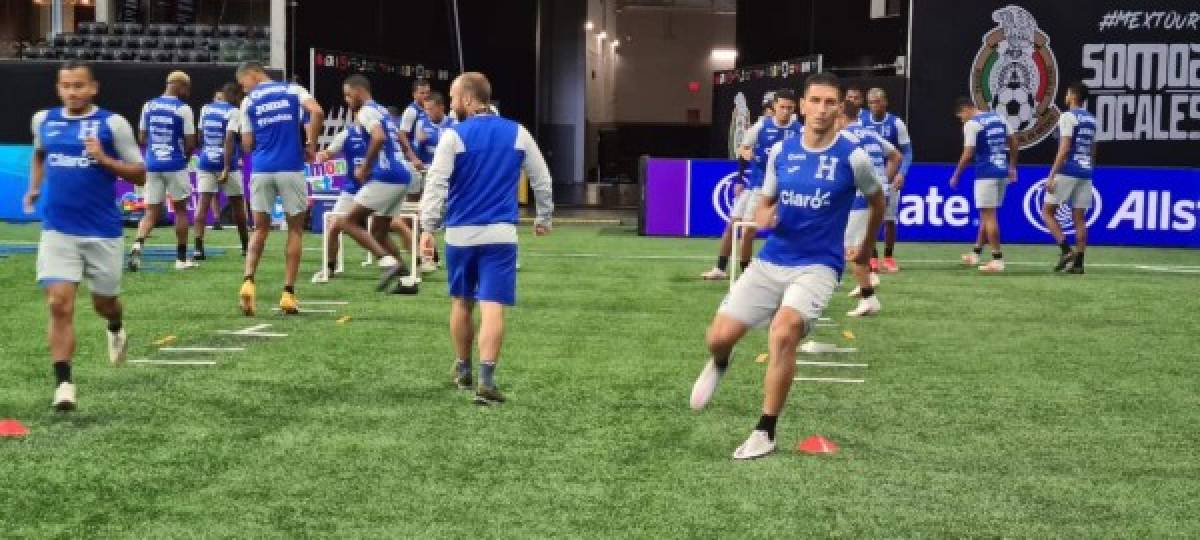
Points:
(1035, 199)
(58, 159)
(1015, 74)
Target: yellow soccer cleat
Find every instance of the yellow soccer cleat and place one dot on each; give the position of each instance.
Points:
(246, 298)
(288, 304)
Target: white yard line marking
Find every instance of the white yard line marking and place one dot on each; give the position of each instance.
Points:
(147, 362)
(326, 302)
(306, 310)
(202, 349)
(253, 331)
(829, 364)
(828, 380)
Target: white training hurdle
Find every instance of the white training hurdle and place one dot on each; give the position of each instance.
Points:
(408, 211)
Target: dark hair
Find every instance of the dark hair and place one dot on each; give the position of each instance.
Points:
(77, 64)
(963, 102)
(476, 84)
(419, 82)
(232, 92)
(393, 110)
(784, 93)
(1079, 90)
(358, 81)
(250, 65)
(850, 109)
(823, 79)
(854, 89)
(437, 97)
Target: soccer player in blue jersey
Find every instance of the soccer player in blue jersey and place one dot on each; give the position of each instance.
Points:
(352, 144)
(471, 189)
(219, 167)
(384, 176)
(768, 130)
(807, 193)
(79, 152)
(989, 143)
(1070, 180)
(272, 114)
(886, 159)
(167, 129)
(429, 133)
(892, 128)
(410, 121)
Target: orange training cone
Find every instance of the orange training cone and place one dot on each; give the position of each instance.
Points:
(817, 445)
(12, 428)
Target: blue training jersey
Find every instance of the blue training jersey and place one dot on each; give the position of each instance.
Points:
(890, 128)
(273, 113)
(433, 134)
(877, 149)
(988, 133)
(767, 132)
(390, 166)
(814, 190)
(420, 115)
(80, 197)
(166, 119)
(482, 188)
(354, 149)
(217, 119)
(1080, 126)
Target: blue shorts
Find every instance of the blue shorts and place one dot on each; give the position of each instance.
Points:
(486, 273)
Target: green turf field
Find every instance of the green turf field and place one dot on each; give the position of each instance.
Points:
(1020, 405)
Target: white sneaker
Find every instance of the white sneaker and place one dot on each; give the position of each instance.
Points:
(184, 265)
(867, 306)
(992, 266)
(64, 397)
(715, 274)
(118, 344)
(388, 261)
(970, 259)
(428, 266)
(874, 279)
(758, 445)
(857, 292)
(705, 386)
(322, 276)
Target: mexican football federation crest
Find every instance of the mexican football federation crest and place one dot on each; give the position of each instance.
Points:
(1015, 75)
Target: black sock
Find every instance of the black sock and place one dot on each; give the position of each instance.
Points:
(1064, 247)
(766, 423)
(244, 237)
(723, 263)
(743, 265)
(867, 292)
(978, 250)
(200, 244)
(332, 266)
(62, 371)
(114, 325)
(721, 363)
(887, 251)
(436, 256)
(1078, 260)
(875, 253)
(248, 277)
(289, 289)
(181, 252)
(997, 255)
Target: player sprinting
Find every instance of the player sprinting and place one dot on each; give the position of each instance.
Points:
(272, 116)
(991, 145)
(351, 143)
(471, 189)
(1070, 180)
(167, 128)
(219, 167)
(410, 121)
(886, 159)
(79, 152)
(808, 191)
(768, 130)
(895, 131)
(384, 175)
(429, 133)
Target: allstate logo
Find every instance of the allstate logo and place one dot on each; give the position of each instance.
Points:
(723, 196)
(1035, 199)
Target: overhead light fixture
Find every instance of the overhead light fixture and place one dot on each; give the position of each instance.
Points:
(615, 43)
(724, 55)
(588, 26)
(602, 35)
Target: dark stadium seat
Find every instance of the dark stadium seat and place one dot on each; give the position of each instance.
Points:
(79, 53)
(185, 42)
(153, 30)
(58, 40)
(126, 29)
(107, 55)
(144, 55)
(167, 43)
(261, 32)
(201, 56)
(148, 42)
(94, 41)
(126, 55)
(114, 41)
(164, 56)
(197, 30)
(231, 31)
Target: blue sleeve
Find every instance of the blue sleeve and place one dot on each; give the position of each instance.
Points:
(906, 149)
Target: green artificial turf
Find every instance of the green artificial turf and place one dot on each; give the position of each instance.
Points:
(1026, 404)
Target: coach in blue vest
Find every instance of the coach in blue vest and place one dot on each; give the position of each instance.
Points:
(471, 189)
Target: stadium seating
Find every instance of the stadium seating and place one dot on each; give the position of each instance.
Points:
(160, 42)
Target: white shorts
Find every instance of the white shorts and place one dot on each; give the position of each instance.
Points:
(417, 183)
(64, 257)
(1076, 192)
(892, 203)
(989, 192)
(766, 287)
(856, 228)
(382, 198)
(290, 186)
(173, 183)
(344, 204)
(745, 205)
(206, 182)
